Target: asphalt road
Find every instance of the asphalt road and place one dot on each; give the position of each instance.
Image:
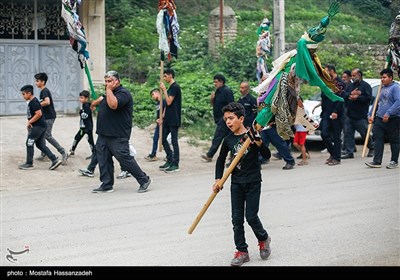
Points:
(317, 215)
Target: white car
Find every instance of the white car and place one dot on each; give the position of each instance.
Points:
(309, 105)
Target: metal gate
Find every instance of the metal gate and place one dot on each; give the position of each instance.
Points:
(33, 39)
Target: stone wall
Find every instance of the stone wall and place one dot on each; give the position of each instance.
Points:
(376, 52)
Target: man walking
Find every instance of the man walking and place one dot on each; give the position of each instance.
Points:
(171, 121)
(222, 97)
(357, 98)
(114, 126)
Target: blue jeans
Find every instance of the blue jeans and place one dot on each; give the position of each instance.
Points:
(271, 136)
(391, 130)
(350, 126)
(155, 141)
(245, 201)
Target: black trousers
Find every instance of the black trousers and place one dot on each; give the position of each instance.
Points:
(36, 135)
(245, 202)
(109, 147)
(220, 132)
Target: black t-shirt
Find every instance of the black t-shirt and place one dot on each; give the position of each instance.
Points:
(116, 123)
(86, 118)
(248, 168)
(48, 111)
(249, 103)
(223, 96)
(173, 112)
(33, 106)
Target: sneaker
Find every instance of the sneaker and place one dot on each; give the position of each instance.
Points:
(265, 249)
(56, 163)
(143, 188)
(324, 150)
(206, 158)
(334, 162)
(71, 153)
(370, 153)
(101, 190)
(288, 166)
(172, 168)
(26, 166)
(392, 165)
(124, 174)
(64, 158)
(240, 258)
(89, 157)
(276, 156)
(86, 172)
(346, 156)
(373, 164)
(164, 166)
(151, 158)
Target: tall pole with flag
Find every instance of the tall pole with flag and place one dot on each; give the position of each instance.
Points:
(77, 36)
(168, 30)
(392, 62)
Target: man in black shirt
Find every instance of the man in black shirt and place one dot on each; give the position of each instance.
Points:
(249, 103)
(331, 119)
(222, 97)
(171, 121)
(357, 97)
(114, 126)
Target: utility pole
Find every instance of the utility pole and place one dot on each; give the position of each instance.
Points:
(221, 22)
(279, 28)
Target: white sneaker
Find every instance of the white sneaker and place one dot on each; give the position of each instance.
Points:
(123, 175)
(324, 150)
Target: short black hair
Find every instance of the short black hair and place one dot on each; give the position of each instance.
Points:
(388, 72)
(41, 77)
(153, 90)
(27, 88)
(331, 67)
(220, 78)
(84, 93)
(234, 107)
(347, 72)
(171, 72)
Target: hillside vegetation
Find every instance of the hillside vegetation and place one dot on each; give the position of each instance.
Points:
(132, 46)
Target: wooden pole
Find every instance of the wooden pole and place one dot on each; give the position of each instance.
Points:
(378, 94)
(161, 116)
(221, 22)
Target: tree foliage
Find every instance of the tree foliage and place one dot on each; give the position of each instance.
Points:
(132, 45)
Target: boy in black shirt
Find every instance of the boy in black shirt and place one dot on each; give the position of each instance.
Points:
(245, 183)
(85, 124)
(36, 129)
